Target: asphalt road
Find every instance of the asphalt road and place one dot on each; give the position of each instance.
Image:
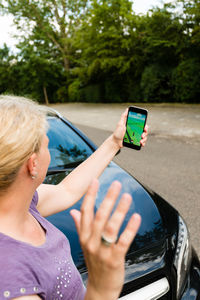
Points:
(169, 163)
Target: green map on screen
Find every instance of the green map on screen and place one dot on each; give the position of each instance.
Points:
(135, 127)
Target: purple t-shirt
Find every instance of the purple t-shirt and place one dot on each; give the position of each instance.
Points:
(47, 270)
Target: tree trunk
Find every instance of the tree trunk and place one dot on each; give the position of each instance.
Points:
(45, 95)
(66, 63)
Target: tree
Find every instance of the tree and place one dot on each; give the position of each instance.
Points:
(163, 36)
(29, 75)
(51, 22)
(186, 81)
(191, 20)
(48, 28)
(105, 51)
(100, 50)
(186, 75)
(5, 60)
(41, 74)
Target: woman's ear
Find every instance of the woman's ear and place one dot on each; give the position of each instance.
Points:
(32, 166)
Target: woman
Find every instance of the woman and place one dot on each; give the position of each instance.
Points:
(35, 259)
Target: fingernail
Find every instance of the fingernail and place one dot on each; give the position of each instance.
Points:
(127, 197)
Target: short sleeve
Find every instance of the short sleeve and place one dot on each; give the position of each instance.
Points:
(16, 277)
(34, 201)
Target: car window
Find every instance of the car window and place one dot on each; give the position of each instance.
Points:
(65, 145)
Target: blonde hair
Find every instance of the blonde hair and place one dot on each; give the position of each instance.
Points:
(22, 126)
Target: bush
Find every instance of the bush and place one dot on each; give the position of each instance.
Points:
(156, 84)
(92, 93)
(186, 78)
(74, 92)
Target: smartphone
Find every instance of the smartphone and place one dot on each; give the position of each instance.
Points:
(135, 124)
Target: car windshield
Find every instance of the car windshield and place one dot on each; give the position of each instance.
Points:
(67, 148)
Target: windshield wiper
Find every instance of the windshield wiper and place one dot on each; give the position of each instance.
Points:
(63, 168)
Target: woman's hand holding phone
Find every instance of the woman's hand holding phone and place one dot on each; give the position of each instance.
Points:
(121, 128)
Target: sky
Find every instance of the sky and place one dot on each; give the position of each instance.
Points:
(7, 29)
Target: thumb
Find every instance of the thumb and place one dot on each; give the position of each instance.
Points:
(123, 118)
(76, 215)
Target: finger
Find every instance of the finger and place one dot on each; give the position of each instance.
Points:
(105, 209)
(76, 215)
(144, 135)
(145, 132)
(113, 225)
(146, 129)
(87, 210)
(143, 141)
(128, 234)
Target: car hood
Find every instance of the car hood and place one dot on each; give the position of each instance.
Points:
(146, 253)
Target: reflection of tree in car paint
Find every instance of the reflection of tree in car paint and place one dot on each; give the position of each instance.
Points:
(66, 146)
(139, 242)
(73, 154)
(74, 151)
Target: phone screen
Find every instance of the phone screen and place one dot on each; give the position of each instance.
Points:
(134, 128)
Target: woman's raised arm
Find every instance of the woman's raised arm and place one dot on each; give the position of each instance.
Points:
(75, 185)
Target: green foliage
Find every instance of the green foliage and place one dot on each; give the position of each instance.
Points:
(74, 91)
(101, 51)
(5, 60)
(92, 93)
(62, 94)
(30, 75)
(49, 21)
(186, 81)
(155, 84)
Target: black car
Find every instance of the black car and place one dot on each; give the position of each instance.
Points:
(161, 263)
